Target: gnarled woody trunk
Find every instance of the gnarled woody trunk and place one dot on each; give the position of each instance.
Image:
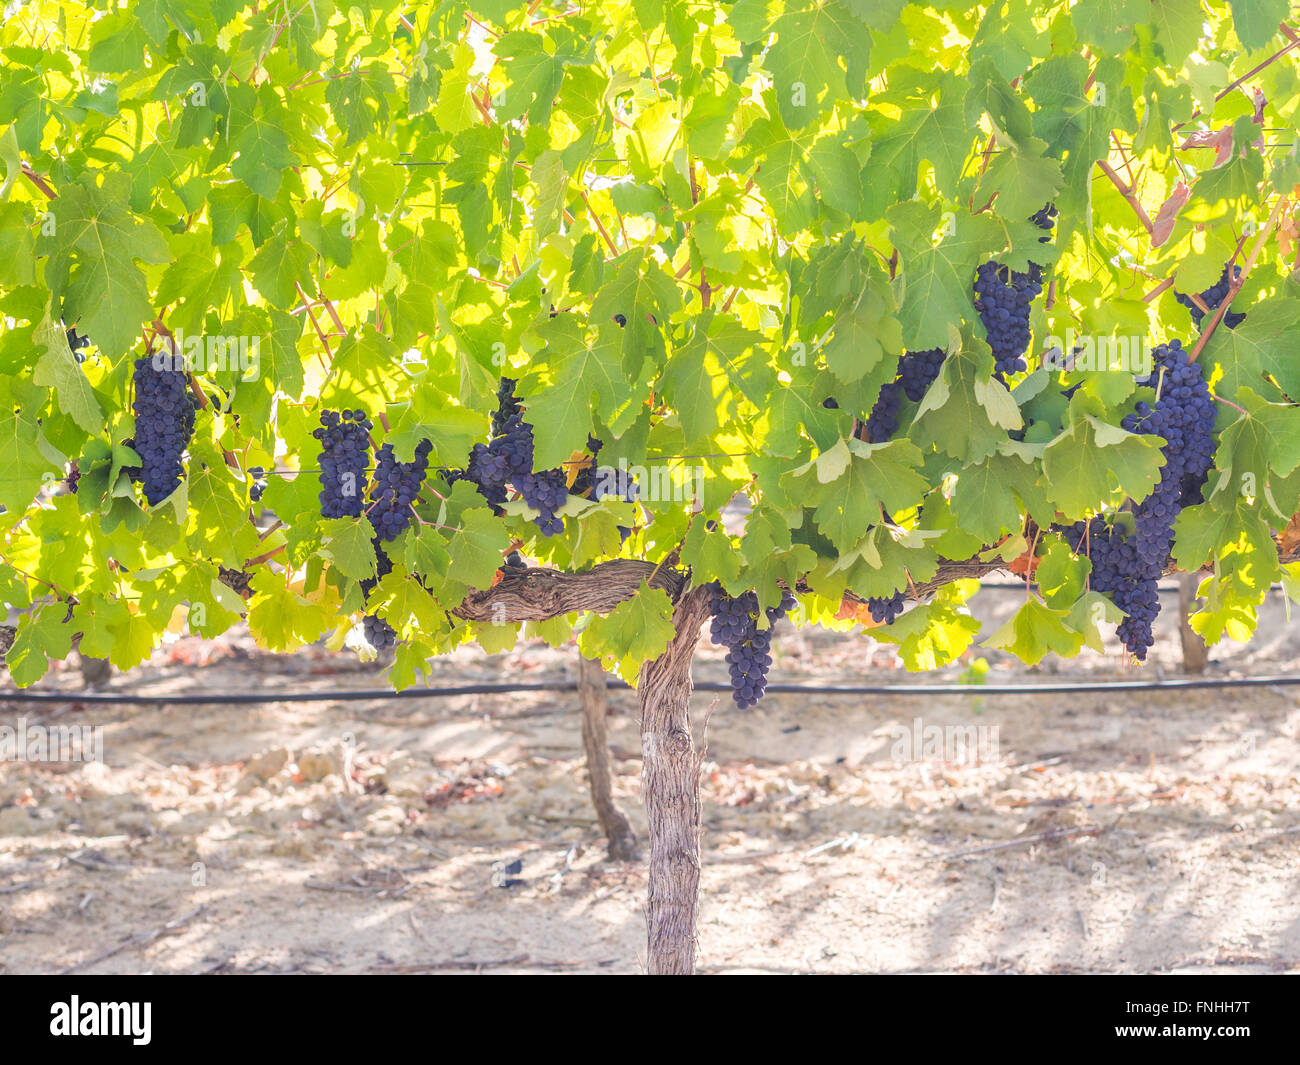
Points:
(670, 776)
(595, 738)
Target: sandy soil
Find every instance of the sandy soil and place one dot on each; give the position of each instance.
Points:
(1148, 832)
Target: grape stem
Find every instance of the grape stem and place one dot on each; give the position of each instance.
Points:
(1229, 403)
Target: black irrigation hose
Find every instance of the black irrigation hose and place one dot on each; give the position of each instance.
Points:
(352, 695)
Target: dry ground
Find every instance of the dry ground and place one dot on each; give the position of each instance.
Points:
(372, 836)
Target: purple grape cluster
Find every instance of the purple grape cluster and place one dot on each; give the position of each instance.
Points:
(1003, 297)
(257, 475)
(884, 611)
(344, 457)
(379, 634)
(735, 626)
(882, 422)
(1045, 218)
(917, 370)
(1212, 297)
(1119, 571)
(164, 423)
(1128, 566)
(545, 491)
(395, 488)
(507, 459)
(508, 407)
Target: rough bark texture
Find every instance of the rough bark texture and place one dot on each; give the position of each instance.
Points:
(1195, 652)
(670, 781)
(595, 738)
(541, 594)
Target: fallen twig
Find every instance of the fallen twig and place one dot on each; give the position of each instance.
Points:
(140, 939)
(1050, 836)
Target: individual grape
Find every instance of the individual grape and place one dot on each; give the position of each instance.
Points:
(345, 454)
(735, 626)
(394, 489)
(1212, 297)
(379, 634)
(164, 423)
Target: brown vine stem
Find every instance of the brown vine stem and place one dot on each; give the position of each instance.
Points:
(307, 305)
(1167, 283)
(1235, 285)
(277, 524)
(1129, 195)
(264, 557)
(1229, 403)
(613, 249)
(39, 182)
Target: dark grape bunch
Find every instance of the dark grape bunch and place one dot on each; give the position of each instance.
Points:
(1212, 297)
(257, 475)
(1126, 565)
(1045, 218)
(882, 422)
(884, 611)
(344, 457)
(1003, 297)
(507, 406)
(545, 491)
(74, 475)
(395, 488)
(735, 626)
(164, 423)
(507, 459)
(379, 634)
(917, 370)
